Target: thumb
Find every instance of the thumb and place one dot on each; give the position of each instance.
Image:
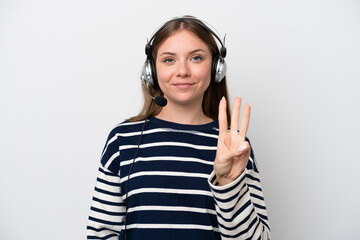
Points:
(242, 148)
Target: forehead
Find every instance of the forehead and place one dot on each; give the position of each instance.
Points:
(182, 41)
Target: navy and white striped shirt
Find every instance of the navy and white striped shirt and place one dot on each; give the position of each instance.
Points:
(173, 192)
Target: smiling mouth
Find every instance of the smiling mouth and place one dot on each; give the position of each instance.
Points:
(183, 85)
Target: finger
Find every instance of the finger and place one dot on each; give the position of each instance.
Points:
(245, 122)
(244, 146)
(235, 115)
(222, 118)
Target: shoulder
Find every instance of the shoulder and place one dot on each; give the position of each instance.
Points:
(125, 127)
(110, 157)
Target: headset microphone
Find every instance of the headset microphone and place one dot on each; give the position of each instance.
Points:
(159, 100)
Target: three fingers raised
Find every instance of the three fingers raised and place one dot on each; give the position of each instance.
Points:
(235, 116)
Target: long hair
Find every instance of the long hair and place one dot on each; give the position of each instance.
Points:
(215, 91)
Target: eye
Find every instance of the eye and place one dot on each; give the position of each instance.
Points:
(196, 58)
(168, 60)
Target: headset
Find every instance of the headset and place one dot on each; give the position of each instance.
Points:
(218, 68)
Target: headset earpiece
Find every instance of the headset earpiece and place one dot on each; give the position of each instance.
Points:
(153, 72)
(148, 74)
(149, 70)
(218, 69)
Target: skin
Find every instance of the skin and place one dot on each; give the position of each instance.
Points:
(183, 66)
(233, 151)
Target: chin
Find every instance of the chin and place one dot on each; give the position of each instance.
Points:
(184, 100)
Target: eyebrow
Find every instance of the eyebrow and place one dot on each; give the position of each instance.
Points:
(192, 52)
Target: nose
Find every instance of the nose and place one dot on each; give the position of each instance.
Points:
(183, 69)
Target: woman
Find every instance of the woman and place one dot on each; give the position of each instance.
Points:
(178, 171)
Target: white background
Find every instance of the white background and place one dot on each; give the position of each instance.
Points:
(69, 72)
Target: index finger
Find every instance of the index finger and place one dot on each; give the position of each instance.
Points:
(222, 118)
(245, 121)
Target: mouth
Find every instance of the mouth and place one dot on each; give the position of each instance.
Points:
(183, 86)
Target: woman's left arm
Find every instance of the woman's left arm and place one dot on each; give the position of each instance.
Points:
(235, 180)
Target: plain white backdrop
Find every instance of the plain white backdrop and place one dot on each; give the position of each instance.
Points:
(69, 72)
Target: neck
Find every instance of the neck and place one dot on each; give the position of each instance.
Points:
(184, 114)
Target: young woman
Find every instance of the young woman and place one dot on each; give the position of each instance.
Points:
(185, 170)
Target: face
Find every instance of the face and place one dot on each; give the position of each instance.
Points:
(183, 66)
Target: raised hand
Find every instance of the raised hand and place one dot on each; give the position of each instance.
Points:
(233, 151)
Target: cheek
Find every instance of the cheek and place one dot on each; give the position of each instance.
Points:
(162, 74)
(204, 74)
(207, 83)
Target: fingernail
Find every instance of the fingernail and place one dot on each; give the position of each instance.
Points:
(223, 100)
(241, 148)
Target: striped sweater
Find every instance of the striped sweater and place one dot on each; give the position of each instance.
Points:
(172, 191)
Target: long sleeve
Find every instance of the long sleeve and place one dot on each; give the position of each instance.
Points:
(107, 208)
(240, 206)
